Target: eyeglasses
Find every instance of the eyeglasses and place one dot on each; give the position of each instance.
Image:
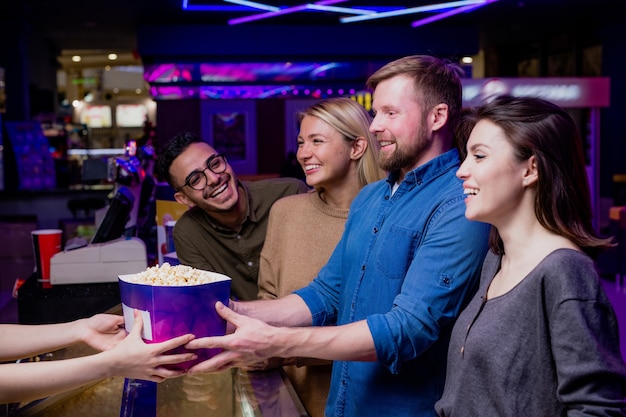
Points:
(197, 180)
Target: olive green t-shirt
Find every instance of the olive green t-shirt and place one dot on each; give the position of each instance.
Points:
(203, 244)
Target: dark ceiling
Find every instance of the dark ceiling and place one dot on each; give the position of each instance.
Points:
(112, 24)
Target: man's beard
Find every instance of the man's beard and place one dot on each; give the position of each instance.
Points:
(406, 156)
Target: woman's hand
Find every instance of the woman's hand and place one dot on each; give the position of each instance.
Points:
(102, 331)
(134, 358)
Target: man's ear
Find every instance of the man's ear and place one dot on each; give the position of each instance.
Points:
(439, 116)
(531, 174)
(359, 146)
(182, 199)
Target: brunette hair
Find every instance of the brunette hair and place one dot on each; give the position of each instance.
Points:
(534, 126)
(435, 81)
(352, 121)
(172, 150)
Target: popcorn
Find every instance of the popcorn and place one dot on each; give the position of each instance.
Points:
(175, 300)
(173, 276)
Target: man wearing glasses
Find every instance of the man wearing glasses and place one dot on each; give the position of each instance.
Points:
(224, 229)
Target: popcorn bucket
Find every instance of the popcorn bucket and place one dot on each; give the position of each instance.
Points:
(171, 311)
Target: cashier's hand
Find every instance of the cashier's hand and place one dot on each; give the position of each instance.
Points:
(102, 331)
(133, 358)
(249, 345)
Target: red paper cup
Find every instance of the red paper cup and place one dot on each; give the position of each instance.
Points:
(46, 242)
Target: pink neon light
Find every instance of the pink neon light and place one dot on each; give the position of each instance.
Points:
(286, 10)
(449, 13)
(161, 72)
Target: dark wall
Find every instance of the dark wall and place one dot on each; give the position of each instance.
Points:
(14, 59)
(30, 67)
(270, 135)
(613, 131)
(171, 43)
(176, 116)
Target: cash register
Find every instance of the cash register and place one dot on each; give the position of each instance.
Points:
(109, 254)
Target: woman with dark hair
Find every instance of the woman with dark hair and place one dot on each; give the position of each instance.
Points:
(540, 338)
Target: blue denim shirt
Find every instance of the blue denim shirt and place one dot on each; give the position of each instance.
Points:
(407, 263)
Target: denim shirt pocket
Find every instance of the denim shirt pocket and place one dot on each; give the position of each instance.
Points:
(396, 252)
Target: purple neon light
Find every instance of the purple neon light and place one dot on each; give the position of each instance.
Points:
(214, 8)
(334, 9)
(412, 10)
(170, 73)
(258, 72)
(241, 92)
(371, 12)
(286, 10)
(254, 5)
(251, 72)
(160, 72)
(242, 8)
(449, 13)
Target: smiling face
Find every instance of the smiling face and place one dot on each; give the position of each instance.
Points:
(493, 180)
(324, 154)
(220, 193)
(400, 125)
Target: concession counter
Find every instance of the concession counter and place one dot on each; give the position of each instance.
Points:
(233, 393)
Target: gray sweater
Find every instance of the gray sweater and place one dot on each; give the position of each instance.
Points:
(549, 347)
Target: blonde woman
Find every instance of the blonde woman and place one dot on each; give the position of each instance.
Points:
(339, 156)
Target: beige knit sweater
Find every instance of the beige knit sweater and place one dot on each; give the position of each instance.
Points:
(301, 235)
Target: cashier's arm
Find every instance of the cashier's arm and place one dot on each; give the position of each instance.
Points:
(102, 332)
(254, 340)
(129, 356)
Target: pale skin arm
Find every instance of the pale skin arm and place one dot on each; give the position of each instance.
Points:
(131, 357)
(101, 332)
(288, 311)
(254, 340)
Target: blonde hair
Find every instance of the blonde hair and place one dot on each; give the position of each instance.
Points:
(351, 120)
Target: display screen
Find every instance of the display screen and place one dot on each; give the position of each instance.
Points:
(130, 115)
(96, 116)
(117, 215)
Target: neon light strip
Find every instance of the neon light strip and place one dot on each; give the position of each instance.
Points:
(412, 10)
(208, 8)
(323, 68)
(286, 10)
(349, 10)
(158, 72)
(444, 15)
(255, 5)
(276, 91)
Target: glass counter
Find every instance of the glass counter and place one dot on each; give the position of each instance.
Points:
(234, 393)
